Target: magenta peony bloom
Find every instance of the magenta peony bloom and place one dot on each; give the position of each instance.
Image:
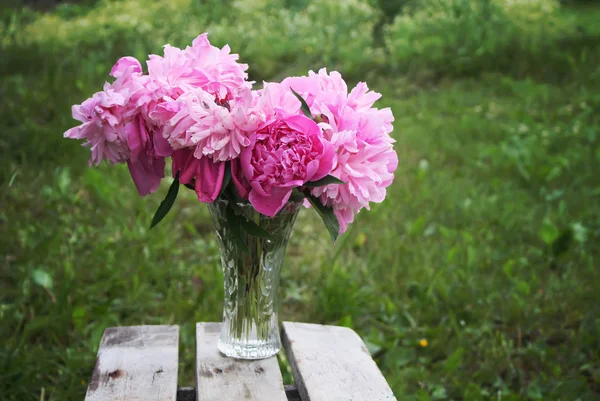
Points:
(364, 156)
(287, 151)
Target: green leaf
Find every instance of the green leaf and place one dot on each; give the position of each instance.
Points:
(249, 226)
(254, 229)
(328, 179)
(234, 222)
(305, 109)
(297, 195)
(326, 213)
(439, 392)
(226, 178)
(42, 278)
(423, 396)
(548, 232)
(12, 178)
(167, 203)
(454, 361)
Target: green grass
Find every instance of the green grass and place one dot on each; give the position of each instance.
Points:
(486, 246)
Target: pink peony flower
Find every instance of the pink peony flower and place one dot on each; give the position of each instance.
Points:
(287, 151)
(366, 168)
(216, 70)
(218, 131)
(359, 133)
(106, 113)
(116, 131)
(101, 127)
(202, 65)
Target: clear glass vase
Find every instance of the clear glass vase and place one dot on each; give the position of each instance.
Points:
(250, 327)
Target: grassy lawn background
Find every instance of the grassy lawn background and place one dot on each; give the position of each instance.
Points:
(487, 245)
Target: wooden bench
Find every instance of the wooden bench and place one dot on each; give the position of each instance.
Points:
(328, 363)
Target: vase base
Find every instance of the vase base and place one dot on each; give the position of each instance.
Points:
(249, 350)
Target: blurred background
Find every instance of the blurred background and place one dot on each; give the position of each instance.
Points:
(478, 276)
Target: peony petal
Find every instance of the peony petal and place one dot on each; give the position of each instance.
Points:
(134, 140)
(209, 179)
(125, 63)
(239, 180)
(146, 174)
(303, 124)
(325, 162)
(271, 204)
(75, 132)
(161, 145)
(183, 160)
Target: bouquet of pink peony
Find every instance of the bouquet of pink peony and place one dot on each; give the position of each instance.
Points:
(255, 156)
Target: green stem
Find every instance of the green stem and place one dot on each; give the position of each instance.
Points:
(248, 291)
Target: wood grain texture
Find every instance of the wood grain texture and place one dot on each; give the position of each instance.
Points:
(136, 363)
(219, 378)
(331, 363)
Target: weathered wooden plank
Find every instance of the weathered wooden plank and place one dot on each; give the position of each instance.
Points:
(219, 378)
(136, 363)
(331, 363)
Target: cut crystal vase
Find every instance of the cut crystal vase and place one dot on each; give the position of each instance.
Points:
(251, 269)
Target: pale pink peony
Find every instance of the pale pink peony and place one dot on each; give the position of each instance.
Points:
(217, 70)
(359, 133)
(106, 113)
(218, 131)
(366, 167)
(287, 151)
(116, 131)
(202, 65)
(201, 68)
